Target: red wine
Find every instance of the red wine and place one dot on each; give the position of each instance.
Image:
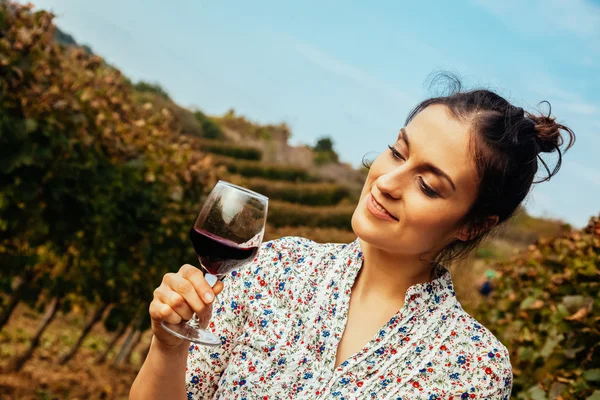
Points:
(218, 255)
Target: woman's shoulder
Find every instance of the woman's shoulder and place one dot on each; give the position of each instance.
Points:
(296, 246)
(292, 255)
(483, 354)
(480, 336)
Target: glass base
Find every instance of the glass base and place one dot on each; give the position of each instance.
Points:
(189, 331)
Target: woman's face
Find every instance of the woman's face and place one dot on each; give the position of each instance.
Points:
(418, 191)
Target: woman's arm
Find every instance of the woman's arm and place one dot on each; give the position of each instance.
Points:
(163, 374)
(176, 370)
(179, 296)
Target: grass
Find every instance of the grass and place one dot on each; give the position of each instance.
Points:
(43, 378)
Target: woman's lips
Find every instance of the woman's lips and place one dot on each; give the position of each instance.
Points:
(378, 210)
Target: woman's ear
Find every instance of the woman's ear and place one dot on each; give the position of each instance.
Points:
(469, 232)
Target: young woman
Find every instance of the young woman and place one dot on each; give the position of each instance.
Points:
(376, 318)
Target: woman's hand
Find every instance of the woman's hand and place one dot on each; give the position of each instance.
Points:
(178, 297)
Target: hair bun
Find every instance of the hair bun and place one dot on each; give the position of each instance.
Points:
(548, 133)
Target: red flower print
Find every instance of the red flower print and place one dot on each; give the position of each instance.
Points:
(306, 315)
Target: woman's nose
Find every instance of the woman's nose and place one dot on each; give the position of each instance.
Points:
(392, 183)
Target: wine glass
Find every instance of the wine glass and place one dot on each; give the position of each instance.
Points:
(226, 235)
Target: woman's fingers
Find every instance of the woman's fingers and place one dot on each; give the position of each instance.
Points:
(196, 277)
(175, 301)
(218, 288)
(160, 311)
(186, 289)
(182, 294)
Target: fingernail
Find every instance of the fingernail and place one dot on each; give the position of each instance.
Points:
(208, 296)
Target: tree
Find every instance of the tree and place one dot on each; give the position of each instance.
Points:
(324, 152)
(88, 177)
(324, 145)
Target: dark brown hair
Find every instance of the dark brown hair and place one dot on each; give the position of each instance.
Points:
(507, 143)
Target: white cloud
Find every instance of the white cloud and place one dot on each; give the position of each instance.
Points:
(578, 17)
(340, 68)
(550, 88)
(582, 108)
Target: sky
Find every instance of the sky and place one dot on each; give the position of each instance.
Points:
(352, 70)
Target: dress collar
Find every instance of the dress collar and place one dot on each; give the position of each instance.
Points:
(419, 297)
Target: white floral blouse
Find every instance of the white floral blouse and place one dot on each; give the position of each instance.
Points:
(281, 317)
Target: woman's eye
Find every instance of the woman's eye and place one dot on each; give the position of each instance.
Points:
(396, 153)
(429, 192)
(426, 189)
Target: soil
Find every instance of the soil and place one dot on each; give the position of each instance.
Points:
(80, 378)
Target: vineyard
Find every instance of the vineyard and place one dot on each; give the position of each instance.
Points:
(547, 310)
(100, 179)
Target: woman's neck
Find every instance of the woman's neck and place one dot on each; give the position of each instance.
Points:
(388, 276)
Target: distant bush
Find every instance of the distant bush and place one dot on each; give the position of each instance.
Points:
(291, 215)
(230, 150)
(485, 252)
(182, 120)
(210, 129)
(524, 228)
(313, 194)
(267, 171)
(545, 309)
(325, 158)
(155, 88)
(252, 130)
(324, 152)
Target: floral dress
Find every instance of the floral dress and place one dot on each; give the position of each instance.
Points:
(281, 317)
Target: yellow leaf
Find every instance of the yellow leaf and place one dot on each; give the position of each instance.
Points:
(579, 315)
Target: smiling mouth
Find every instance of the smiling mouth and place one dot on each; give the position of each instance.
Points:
(378, 210)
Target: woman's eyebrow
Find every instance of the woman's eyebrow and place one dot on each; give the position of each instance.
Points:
(427, 165)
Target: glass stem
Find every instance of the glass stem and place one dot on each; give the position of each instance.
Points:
(211, 280)
(194, 322)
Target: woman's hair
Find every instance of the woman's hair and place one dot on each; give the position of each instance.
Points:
(506, 143)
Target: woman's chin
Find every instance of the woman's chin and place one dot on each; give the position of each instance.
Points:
(366, 229)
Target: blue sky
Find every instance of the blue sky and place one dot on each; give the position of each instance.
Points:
(353, 70)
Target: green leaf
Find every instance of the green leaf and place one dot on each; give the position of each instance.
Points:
(537, 393)
(594, 396)
(550, 344)
(527, 302)
(592, 375)
(30, 125)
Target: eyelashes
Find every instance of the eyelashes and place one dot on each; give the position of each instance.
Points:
(396, 153)
(429, 192)
(426, 189)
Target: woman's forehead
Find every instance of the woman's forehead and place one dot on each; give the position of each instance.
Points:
(442, 140)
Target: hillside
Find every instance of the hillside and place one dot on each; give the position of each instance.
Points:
(260, 158)
(102, 177)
